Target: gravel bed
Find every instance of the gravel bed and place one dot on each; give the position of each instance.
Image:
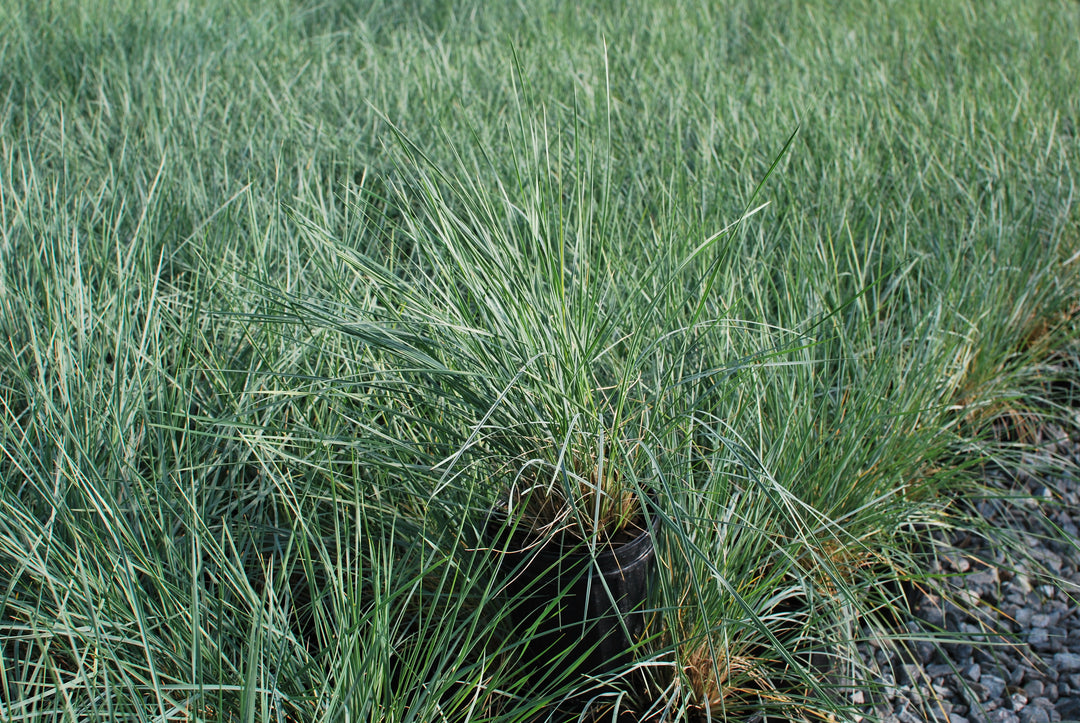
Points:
(1013, 650)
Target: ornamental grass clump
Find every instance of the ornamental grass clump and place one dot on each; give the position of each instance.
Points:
(518, 362)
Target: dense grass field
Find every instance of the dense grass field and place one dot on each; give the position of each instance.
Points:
(827, 253)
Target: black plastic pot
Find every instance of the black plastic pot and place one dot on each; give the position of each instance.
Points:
(574, 604)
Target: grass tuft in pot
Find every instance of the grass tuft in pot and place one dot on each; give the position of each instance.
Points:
(536, 363)
(524, 359)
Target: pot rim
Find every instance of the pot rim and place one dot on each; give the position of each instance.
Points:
(564, 545)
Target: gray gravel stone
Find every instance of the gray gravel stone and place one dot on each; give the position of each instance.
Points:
(1068, 709)
(975, 693)
(939, 670)
(1066, 662)
(994, 685)
(908, 716)
(1002, 715)
(1034, 714)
